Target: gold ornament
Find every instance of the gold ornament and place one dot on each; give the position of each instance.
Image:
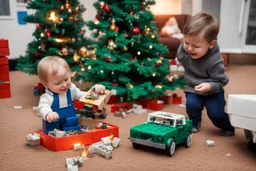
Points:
(64, 51)
(94, 57)
(112, 26)
(158, 86)
(42, 35)
(170, 78)
(111, 45)
(147, 30)
(67, 4)
(91, 52)
(62, 39)
(53, 17)
(158, 62)
(83, 51)
(82, 69)
(76, 57)
(154, 74)
(130, 86)
(152, 36)
(96, 21)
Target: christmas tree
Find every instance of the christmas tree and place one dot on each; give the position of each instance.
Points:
(59, 31)
(128, 53)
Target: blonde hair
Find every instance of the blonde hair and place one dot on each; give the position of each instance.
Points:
(202, 22)
(50, 64)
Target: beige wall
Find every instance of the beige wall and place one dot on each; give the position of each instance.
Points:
(167, 7)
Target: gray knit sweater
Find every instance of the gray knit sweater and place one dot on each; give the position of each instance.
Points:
(209, 69)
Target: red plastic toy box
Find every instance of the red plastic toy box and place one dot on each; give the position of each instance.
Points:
(87, 138)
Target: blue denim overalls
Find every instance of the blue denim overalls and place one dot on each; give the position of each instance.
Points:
(67, 116)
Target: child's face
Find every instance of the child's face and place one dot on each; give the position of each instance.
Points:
(60, 82)
(196, 45)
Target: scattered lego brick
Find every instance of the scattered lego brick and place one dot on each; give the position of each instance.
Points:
(102, 150)
(73, 163)
(115, 142)
(210, 143)
(120, 112)
(17, 107)
(78, 146)
(33, 139)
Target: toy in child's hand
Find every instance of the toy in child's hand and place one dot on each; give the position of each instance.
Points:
(98, 89)
(92, 95)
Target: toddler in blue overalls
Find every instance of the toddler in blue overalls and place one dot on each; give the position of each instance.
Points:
(56, 104)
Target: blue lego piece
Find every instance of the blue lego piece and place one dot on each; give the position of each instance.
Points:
(47, 127)
(36, 92)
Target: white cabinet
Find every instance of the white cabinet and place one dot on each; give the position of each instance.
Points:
(237, 26)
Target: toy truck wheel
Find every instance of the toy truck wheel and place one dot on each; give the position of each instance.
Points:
(135, 145)
(171, 148)
(187, 141)
(252, 146)
(103, 116)
(248, 134)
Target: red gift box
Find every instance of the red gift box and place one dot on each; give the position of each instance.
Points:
(114, 99)
(167, 99)
(3, 43)
(123, 105)
(144, 103)
(156, 105)
(4, 52)
(5, 91)
(176, 99)
(4, 61)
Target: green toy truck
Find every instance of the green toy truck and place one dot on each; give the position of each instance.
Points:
(162, 130)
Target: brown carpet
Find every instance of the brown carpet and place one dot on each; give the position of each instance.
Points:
(229, 153)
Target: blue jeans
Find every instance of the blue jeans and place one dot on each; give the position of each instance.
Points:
(214, 104)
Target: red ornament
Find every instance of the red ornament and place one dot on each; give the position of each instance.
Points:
(117, 29)
(108, 59)
(136, 30)
(172, 62)
(48, 34)
(107, 9)
(98, 16)
(153, 91)
(126, 35)
(102, 5)
(114, 84)
(36, 54)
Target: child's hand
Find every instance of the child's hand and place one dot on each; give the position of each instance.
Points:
(52, 116)
(98, 89)
(203, 88)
